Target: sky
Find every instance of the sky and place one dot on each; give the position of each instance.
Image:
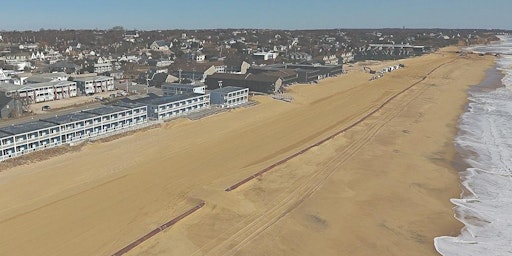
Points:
(264, 14)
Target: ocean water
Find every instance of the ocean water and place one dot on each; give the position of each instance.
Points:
(485, 143)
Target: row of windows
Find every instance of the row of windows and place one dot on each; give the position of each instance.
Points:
(231, 94)
(182, 103)
(44, 133)
(181, 111)
(237, 100)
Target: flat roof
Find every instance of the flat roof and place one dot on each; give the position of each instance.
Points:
(91, 78)
(48, 84)
(4, 134)
(7, 87)
(130, 104)
(158, 100)
(68, 118)
(26, 127)
(13, 87)
(105, 110)
(228, 89)
(182, 86)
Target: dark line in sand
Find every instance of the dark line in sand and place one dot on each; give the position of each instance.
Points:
(286, 159)
(158, 230)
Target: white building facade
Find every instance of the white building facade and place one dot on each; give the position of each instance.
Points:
(229, 96)
(96, 84)
(17, 140)
(41, 92)
(161, 108)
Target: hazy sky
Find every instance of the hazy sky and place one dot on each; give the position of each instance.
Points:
(278, 14)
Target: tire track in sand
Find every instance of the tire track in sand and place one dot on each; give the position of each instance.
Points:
(258, 222)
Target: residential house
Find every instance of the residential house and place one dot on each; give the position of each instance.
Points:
(131, 35)
(271, 55)
(40, 92)
(192, 71)
(199, 57)
(102, 65)
(299, 57)
(161, 45)
(162, 62)
(9, 107)
(94, 84)
(330, 60)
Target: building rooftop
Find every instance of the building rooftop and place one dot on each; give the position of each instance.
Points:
(46, 77)
(182, 86)
(12, 87)
(91, 78)
(242, 77)
(105, 110)
(68, 118)
(158, 100)
(9, 87)
(26, 127)
(4, 134)
(129, 104)
(228, 89)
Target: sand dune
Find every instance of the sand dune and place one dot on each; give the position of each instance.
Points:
(381, 187)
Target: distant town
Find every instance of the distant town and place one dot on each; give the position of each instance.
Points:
(146, 76)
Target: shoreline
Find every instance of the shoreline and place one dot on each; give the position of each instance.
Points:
(491, 82)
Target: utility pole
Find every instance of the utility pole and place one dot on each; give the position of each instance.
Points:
(179, 72)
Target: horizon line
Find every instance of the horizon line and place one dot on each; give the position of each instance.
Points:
(248, 28)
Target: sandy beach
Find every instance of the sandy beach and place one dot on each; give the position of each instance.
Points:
(381, 187)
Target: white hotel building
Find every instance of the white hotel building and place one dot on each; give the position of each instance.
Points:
(23, 138)
(16, 140)
(166, 107)
(95, 84)
(229, 96)
(41, 92)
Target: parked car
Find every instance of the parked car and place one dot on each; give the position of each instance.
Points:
(45, 107)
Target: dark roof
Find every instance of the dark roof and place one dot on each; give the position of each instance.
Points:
(105, 110)
(240, 77)
(228, 89)
(68, 118)
(192, 66)
(4, 100)
(131, 32)
(26, 127)
(159, 100)
(4, 134)
(182, 86)
(161, 43)
(127, 103)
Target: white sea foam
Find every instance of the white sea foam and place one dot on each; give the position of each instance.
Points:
(486, 138)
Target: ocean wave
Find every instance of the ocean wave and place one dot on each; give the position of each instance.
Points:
(485, 140)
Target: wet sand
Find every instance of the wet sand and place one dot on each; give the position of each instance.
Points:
(382, 187)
